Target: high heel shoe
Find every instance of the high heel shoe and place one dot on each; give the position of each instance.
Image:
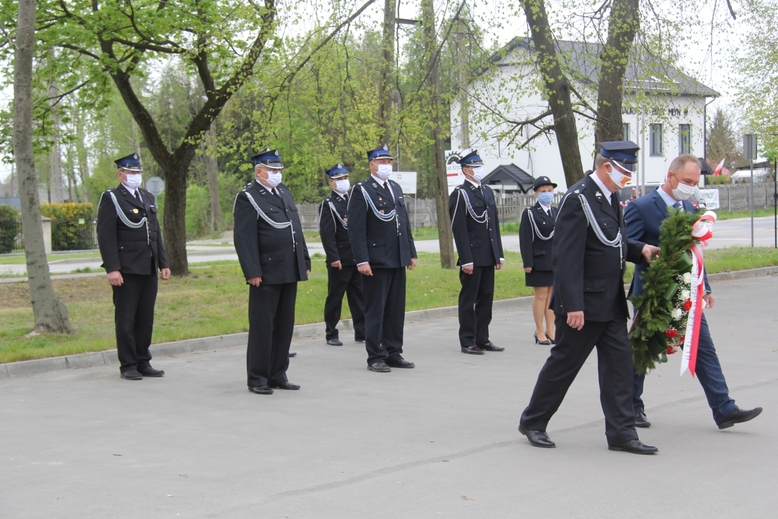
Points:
(547, 342)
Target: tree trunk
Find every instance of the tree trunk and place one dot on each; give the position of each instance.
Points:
(387, 68)
(81, 155)
(557, 90)
(55, 155)
(623, 24)
(445, 236)
(51, 315)
(212, 172)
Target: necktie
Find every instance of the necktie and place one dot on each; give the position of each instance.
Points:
(678, 205)
(386, 186)
(274, 191)
(615, 203)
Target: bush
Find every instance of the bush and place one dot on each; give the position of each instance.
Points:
(9, 228)
(72, 226)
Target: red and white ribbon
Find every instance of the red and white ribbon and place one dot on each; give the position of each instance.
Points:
(702, 232)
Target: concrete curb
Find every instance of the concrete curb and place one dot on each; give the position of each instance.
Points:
(100, 358)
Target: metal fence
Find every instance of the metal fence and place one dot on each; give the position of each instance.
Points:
(11, 237)
(73, 234)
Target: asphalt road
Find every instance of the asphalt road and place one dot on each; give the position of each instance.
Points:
(440, 440)
(727, 233)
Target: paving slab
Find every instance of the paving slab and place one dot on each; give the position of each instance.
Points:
(436, 441)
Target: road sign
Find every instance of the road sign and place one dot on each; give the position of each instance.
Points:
(155, 186)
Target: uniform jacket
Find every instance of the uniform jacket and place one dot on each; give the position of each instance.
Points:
(123, 248)
(643, 216)
(535, 252)
(477, 243)
(334, 236)
(382, 244)
(588, 275)
(276, 255)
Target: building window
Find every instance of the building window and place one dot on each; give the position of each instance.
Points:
(684, 138)
(656, 139)
(625, 132)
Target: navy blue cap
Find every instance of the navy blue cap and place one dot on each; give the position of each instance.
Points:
(624, 153)
(337, 171)
(382, 152)
(131, 163)
(471, 160)
(542, 181)
(268, 158)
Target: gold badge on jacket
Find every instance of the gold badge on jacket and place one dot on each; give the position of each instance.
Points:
(134, 211)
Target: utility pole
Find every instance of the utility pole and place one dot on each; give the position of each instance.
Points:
(387, 66)
(464, 116)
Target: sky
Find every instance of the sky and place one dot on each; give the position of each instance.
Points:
(707, 57)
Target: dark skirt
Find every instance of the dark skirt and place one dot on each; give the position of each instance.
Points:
(539, 278)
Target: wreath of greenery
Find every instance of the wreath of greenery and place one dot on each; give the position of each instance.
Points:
(654, 307)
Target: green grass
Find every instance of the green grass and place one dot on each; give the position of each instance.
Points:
(213, 301)
(19, 259)
(731, 215)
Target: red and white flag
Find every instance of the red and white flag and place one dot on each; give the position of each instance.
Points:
(717, 171)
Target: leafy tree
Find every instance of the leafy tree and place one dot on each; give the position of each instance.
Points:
(51, 315)
(722, 143)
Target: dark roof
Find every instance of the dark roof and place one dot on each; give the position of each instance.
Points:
(511, 174)
(645, 72)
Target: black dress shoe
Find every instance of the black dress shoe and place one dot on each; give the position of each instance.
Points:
(635, 447)
(334, 342)
(537, 438)
(151, 372)
(739, 416)
(292, 353)
(400, 363)
(261, 390)
(641, 420)
(284, 385)
(379, 367)
(472, 350)
(490, 346)
(131, 374)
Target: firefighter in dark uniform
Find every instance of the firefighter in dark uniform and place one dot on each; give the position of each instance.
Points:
(272, 253)
(380, 236)
(131, 248)
(476, 231)
(589, 253)
(342, 274)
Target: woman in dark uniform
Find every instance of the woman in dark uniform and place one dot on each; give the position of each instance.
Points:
(535, 238)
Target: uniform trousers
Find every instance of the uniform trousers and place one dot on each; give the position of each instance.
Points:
(134, 302)
(475, 305)
(346, 280)
(384, 314)
(614, 364)
(271, 326)
(708, 373)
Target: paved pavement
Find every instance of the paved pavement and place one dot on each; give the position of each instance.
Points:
(436, 441)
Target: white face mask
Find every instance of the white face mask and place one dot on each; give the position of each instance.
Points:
(384, 171)
(133, 180)
(273, 178)
(683, 191)
(478, 174)
(341, 186)
(619, 178)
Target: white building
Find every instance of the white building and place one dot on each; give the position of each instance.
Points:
(664, 113)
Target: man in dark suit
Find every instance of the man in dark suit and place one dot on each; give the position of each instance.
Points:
(589, 254)
(643, 217)
(476, 229)
(273, 255)
(380, 236)
(132, 251)
(342, 274)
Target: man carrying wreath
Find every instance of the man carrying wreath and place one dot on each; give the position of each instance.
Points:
(643, 217)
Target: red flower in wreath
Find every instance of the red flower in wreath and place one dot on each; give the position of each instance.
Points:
(687, 305)
(671, 334)
(671, 350)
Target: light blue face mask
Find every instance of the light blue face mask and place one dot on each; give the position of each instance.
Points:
(546, 198)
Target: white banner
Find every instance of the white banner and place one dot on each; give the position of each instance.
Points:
(407, 181)
(453, 170)
(710, 197)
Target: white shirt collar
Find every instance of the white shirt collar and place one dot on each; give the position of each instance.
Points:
(603, 188)
(476, 185)
(670, 201)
